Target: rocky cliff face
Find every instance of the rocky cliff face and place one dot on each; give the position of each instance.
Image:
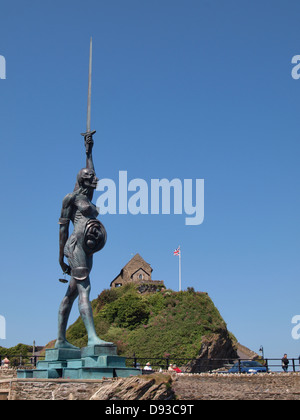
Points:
(214, 347)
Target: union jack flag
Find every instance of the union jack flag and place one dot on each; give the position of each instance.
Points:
(177, 251)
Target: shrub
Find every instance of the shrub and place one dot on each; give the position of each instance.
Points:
(128, 311)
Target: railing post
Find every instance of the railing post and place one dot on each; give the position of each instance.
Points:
(266, 365)
(293, 360)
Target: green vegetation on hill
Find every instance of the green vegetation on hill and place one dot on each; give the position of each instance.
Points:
(152, 324)
(18, 350)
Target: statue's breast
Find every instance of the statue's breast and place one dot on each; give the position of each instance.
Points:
(86, 208)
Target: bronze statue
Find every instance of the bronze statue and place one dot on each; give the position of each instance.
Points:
(88, 237)
(99, 357)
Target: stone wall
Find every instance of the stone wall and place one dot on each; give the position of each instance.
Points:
(50, 389)
(149, 387)
(262, 386)
(276, 386)
(6, 373)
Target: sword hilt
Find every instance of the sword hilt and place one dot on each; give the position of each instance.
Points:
(91, 133)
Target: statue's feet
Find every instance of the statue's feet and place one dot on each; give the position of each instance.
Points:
(64, 344)
(94, 341)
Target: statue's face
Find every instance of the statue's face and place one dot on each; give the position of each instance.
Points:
(88, 179)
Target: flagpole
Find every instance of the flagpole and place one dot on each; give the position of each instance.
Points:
(177, 252)
(179, 269)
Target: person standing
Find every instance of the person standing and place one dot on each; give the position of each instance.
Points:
(5, 363)
(285, 363)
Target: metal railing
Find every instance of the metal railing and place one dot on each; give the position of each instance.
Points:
(209, 365)
(293, 366)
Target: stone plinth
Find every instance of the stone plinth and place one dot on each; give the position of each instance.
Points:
(91, 362)
(99, 350)
(62, 354)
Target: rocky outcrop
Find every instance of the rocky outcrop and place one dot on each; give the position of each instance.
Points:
(150, 387)
(245, 353)
(213, 347)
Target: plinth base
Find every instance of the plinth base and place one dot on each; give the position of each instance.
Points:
(91, 362)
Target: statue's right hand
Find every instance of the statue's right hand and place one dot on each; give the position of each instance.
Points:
(89, 143)
(65, 268)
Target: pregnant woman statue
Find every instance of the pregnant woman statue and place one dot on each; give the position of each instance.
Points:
(88, 237)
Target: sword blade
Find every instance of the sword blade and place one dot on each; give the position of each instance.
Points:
(88, 120)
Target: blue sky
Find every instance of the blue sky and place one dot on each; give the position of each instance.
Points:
(193, 89)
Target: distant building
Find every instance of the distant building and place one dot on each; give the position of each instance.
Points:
(137, 271)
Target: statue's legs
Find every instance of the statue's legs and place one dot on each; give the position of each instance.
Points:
(81, 289)
(86, 313)
(81, 264)
(64, 313)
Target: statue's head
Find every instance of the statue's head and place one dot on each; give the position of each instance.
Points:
(87, 179)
